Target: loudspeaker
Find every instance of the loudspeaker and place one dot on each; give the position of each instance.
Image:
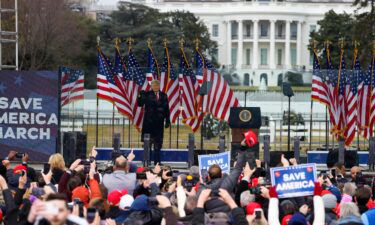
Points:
(245, 117)
(74, 146)
(275, 157)
(351, 158)
(69, 146)
(287, 90)
(81, 145)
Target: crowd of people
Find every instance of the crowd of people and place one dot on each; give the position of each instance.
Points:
(127, 194)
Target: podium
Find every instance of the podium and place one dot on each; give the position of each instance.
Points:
(243, 119)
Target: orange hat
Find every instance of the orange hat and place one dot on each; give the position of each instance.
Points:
(251, 138)
(250, 208)
(82, 194)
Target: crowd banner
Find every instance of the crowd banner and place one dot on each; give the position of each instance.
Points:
(221, 159)
(29, 113)
(294, 181)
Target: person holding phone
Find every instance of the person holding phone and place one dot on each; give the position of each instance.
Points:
(55, 163)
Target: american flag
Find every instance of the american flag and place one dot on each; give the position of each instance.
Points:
(220, 97)
(364, 103)
(72, 85)
(165, 72)
(351, 102)
(121, 90)
(138, 83)
(152, 67)
(319, 89)
(189, 87)
(371, 71)
(107, 87)
(331, 80)
(341, 96)
(170, 85)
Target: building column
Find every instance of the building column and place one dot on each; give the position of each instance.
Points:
(229, 43)
(299, 43)
(287, 44)
(272, 45)
(240, 45)
(255, 45)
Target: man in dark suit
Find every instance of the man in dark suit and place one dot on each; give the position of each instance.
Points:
(156, 113)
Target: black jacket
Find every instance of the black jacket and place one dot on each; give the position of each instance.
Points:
(155, 113)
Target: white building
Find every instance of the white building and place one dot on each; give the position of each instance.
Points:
(257, 40)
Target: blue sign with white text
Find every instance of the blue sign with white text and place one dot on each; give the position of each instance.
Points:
(221, 159)
(29, 113)
(294, 181)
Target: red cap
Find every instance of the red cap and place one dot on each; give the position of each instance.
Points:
(140, 170)
(115, 196)
(250, 208)
(251, 138)
(18, 169)
(325, 192)
(82, 194)
(286, 219)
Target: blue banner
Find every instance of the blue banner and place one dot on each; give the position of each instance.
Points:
(221, 159)
(29, 113)
(294, 181)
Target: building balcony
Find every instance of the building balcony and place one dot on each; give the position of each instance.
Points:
(293, 37)
(234, 36)
(264, 36)
(280, 37)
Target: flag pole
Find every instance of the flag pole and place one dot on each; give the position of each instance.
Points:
(113, 103)
(97, 106)
(311, 106)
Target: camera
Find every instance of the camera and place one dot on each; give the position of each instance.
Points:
(86, 164)
(141, 176)
(258, 214)
(190, 182)
(214, 193)
(19, 155)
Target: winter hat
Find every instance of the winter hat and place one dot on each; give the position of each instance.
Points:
(115, 196)
(251, 138)
(140, 170)
(297, 219)
(82, 194)
(329, 201)
(140, 204)
(250, 208)
(126, 201)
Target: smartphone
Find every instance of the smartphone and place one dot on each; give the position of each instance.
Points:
(46, 168)
(91, 212)
(258, 214)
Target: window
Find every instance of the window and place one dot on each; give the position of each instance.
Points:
(312, 28)
(234, 56)
(215, 30)
(234, 30)
(263, 56)
(264, 30)
(279, 56)
(293, 56)
(280, 30)
(248, 31)
(248, 56)
(293, 31)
